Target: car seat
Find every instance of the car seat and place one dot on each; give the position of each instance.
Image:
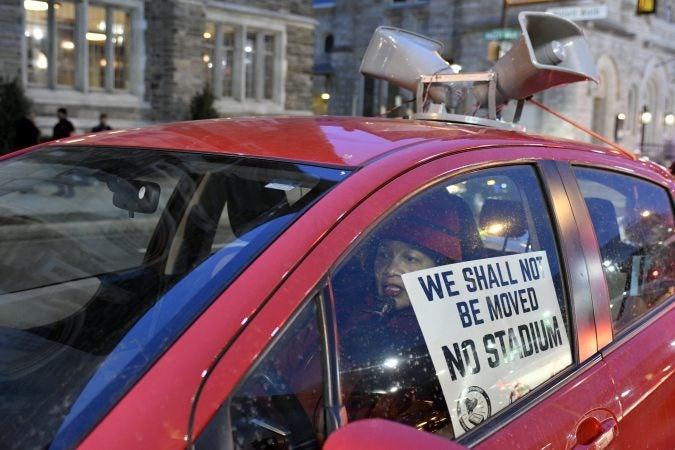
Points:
(503, 219)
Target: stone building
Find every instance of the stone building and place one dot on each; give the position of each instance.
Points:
(634, 54)
(141, 61)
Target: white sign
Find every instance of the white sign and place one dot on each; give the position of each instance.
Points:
(590, 12)
(493, 328)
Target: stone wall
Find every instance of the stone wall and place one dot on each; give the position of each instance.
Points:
(299, 64)
(173, 68)
(299, 7)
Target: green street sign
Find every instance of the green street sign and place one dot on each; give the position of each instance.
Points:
(502, 34)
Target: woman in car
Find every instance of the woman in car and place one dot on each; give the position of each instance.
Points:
(387, 370)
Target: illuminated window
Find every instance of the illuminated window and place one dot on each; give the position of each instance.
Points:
(229, 62)
(646, 7)
(108, 37)
(208, 40)
(65, 38)
(121, 34)
(96, 56)
(37, 44)
(249, 62)
(250, 54)
(96, 38)
(259, 65)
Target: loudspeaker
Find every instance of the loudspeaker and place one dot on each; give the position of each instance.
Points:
(401, 57)
(551, 52)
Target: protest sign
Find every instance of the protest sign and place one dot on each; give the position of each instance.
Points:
(493, 328)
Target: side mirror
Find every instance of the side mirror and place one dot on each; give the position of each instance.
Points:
(380, 434)
(135, 195)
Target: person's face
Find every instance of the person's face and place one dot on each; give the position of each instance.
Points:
(394, 258)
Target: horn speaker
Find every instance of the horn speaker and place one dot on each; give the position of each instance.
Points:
(401, 57)
(551, 52)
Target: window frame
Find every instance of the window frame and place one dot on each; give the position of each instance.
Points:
(135, 50)
(579, 314)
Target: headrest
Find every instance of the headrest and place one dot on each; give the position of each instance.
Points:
(503, 218)
(603, 216)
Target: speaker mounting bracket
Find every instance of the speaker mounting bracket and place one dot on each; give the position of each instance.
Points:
(489, 77)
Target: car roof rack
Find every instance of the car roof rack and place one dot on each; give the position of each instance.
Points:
(425, 110)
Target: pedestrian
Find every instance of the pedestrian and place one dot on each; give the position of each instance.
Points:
(64, 127)
(102, 124)
(26, 133)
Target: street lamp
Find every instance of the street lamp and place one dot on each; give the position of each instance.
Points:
(619, 120)
(645, 118)
(669, 119)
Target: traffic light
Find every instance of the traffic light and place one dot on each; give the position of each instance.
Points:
(493, 51)
(646, 6)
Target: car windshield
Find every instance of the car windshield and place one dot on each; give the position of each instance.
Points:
(94, 241)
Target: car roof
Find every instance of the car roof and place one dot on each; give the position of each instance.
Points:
(338, 141)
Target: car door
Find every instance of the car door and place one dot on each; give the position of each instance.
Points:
(565, 391)
(632, 219)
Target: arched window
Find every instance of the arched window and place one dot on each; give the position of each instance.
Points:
(328, 44)
(633, 113)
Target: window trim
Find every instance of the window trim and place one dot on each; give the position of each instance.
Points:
(336, 413)
(587, 288)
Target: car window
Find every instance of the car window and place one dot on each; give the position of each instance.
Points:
(634, 227)
(452, 308)
(98, 247)
(279, 404)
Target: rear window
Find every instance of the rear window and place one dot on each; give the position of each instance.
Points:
(635, 228)
(93, 240)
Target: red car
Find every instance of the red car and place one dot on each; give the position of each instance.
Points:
(178, 282)
(335, 282)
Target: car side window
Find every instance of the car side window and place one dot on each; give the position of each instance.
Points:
(634, 227)
(279, 403)
(452, 308)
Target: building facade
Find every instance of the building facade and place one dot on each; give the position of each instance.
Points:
(141, 61)
(634, 54)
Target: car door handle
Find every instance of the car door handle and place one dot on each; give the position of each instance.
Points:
(599, 434)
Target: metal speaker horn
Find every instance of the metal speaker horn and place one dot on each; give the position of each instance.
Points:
(551, 52)
(401, 57)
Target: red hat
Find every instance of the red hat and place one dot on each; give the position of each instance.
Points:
(431, 223)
